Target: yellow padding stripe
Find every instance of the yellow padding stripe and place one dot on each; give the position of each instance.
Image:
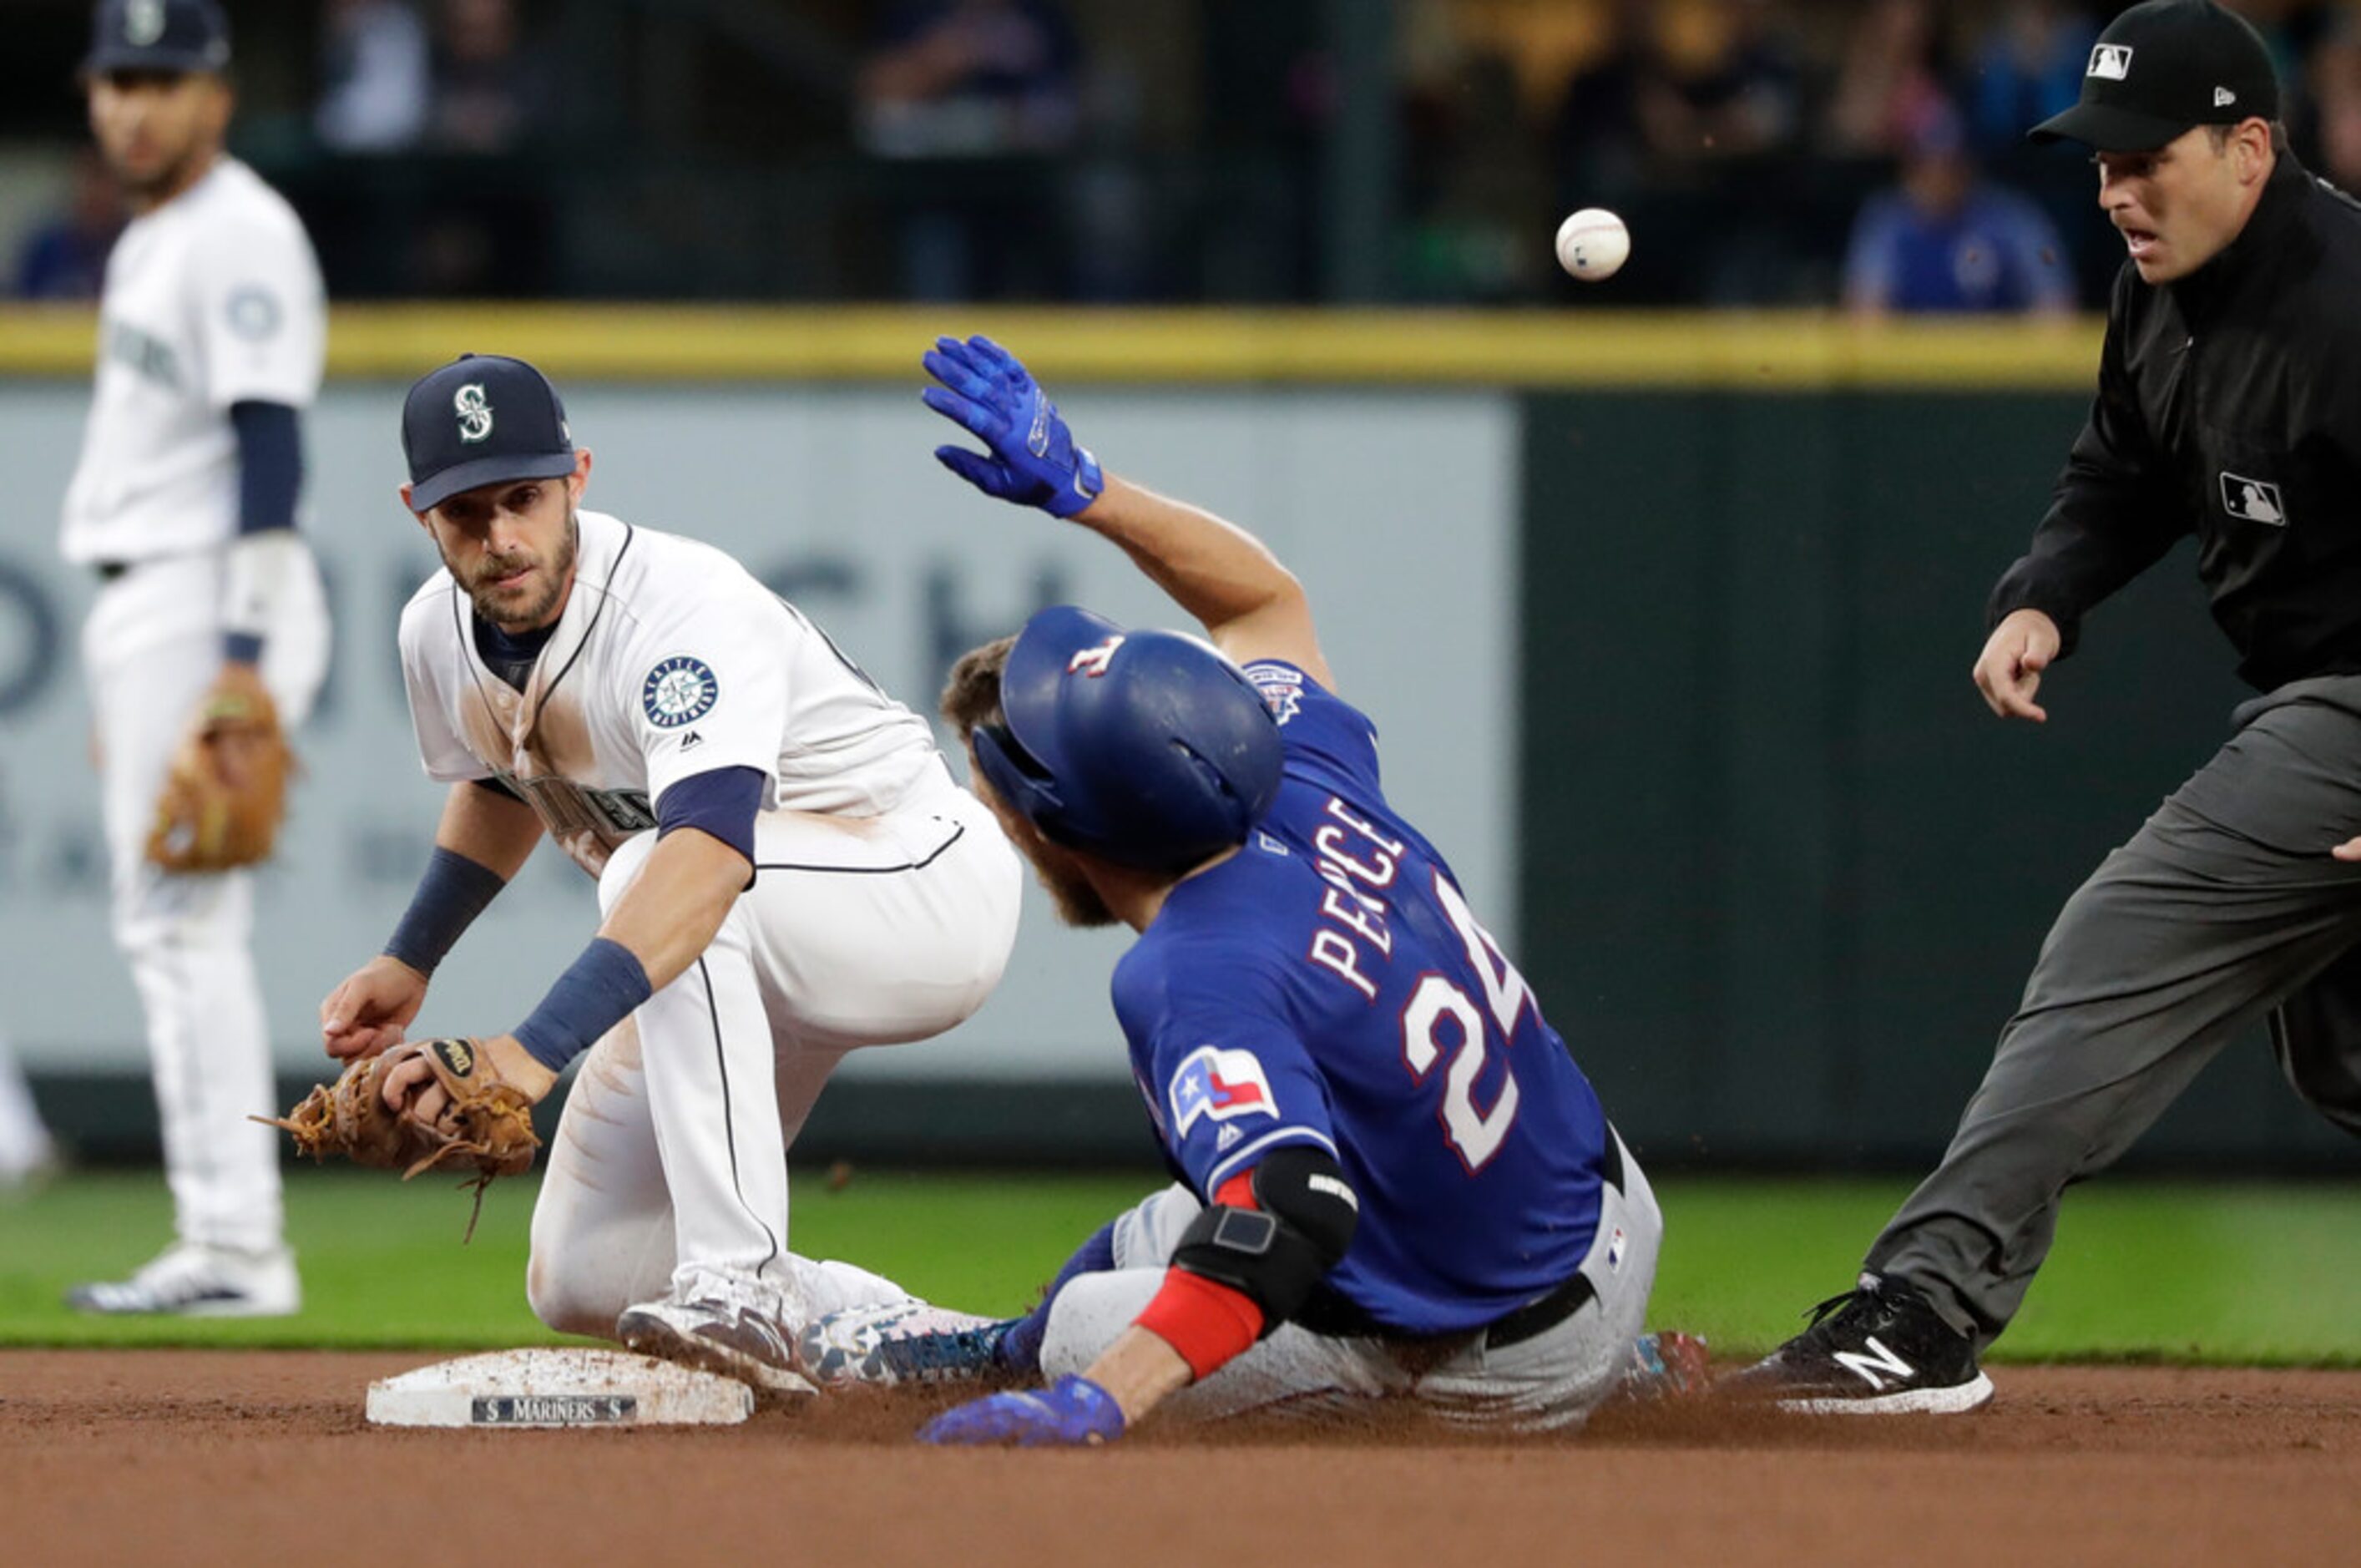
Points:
(1774, 351)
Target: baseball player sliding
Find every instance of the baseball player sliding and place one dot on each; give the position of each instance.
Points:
(209, 630)
(1394, 1181)
(786, 871)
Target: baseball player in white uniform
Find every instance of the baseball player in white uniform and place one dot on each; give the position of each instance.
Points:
(27, 1150)
(786, 871)
(184, 503)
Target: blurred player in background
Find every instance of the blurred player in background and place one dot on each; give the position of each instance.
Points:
(786, 871)
(27, 1150)
(2229, 406)
(211, 335)
(1394, 1180)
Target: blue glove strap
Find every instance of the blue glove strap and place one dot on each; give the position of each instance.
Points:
(1080, 491)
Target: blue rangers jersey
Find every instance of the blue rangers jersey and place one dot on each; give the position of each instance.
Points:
(1328, 985)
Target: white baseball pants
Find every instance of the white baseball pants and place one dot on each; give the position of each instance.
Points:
(150, 649)
(671, 1157)
(1552, 1380)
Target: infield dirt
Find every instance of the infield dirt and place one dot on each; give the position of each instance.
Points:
(231, 1457)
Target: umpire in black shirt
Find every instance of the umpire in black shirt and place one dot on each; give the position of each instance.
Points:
(2229, 407)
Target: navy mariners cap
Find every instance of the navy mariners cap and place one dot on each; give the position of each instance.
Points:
(2163, 68)
(177, 35)
(480, 419)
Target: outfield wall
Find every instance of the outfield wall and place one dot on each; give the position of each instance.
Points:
(1665, 623)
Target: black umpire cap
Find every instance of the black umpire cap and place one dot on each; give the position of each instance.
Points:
(2164, 68)
(177, 35)
(480, 419)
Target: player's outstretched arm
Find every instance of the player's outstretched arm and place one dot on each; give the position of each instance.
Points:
(483, 839)
(1249, 604)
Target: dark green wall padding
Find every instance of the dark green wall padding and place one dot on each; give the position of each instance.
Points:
(1784, 872)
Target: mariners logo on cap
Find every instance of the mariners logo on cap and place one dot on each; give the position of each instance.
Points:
(677, 690)
(2113, 63)
(475, 412)
(143, 22)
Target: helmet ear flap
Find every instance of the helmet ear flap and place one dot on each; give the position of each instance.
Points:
(1018, 779)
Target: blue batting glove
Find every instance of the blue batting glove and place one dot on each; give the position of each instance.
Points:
(1070, 1412)
(1032, 461)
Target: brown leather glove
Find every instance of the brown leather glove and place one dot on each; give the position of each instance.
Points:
(226, 790)
(486, 1128)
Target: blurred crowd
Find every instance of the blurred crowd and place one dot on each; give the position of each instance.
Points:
(1766, 152)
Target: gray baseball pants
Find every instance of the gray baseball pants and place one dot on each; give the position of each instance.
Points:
(2224, 907)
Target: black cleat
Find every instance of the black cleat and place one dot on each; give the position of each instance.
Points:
(1878, 1350)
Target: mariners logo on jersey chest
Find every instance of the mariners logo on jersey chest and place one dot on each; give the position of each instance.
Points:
(679, 690)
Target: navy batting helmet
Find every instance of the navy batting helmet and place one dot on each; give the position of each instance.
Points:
(1145, 748)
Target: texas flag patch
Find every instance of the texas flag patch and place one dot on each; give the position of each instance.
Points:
(1221, 1085)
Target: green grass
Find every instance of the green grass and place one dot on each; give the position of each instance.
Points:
(2228, 1273)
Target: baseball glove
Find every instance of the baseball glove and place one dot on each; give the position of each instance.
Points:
(487, 1128)
(226, 790)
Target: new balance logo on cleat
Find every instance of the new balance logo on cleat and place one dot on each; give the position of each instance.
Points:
(1879, 1349)
(1867, 1367)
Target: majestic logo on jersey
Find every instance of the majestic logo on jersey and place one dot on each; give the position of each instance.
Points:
(143, 22)
(2253, 500)
(678, 691)
(254, 314)
(475, 412)
(1093, 661)
(1220, 1084)
(1281, 688)
(2111, 62)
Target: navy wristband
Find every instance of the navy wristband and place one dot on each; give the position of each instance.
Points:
(242, 647)
(453, 890)
(602, 988)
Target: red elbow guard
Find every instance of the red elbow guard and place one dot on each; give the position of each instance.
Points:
(1207, 1322)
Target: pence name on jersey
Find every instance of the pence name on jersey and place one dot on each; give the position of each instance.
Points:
(1329, 985)
(669, 660)
(214, 298)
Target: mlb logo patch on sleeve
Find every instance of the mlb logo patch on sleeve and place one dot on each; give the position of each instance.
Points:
(2253, 500)
(1219, 1084)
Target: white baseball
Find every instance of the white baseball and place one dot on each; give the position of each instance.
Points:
(1592, 243)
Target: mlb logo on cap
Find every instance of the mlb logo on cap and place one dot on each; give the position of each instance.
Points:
(2111, 62)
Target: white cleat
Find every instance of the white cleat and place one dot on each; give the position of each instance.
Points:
(716, 1323)
(194, 1281)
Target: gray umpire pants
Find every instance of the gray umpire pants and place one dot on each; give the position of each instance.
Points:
(2224, 908)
